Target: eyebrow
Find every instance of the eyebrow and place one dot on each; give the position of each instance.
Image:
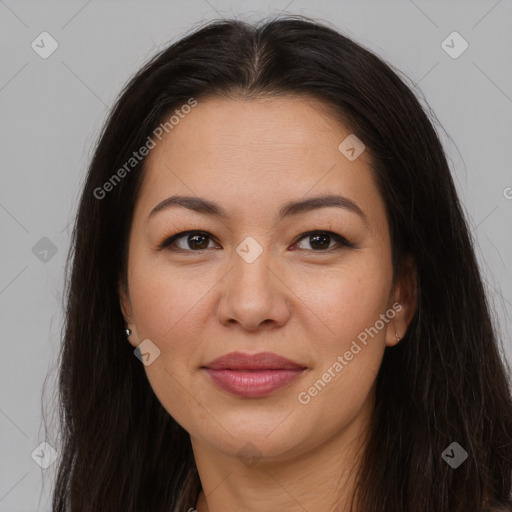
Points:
(292, 208)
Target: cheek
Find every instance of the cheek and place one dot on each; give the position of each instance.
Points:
(167, 310)
(167, 300)
(329, 307)
(347, 361)
(345, 301)
(349, 303)
(173, 306)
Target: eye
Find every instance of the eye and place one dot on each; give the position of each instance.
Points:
(321, 240)
(189, 241)
(196, 241)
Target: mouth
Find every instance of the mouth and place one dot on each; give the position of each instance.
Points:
(252, 375)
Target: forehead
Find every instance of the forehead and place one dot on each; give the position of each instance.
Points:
(287, 128)
(257, 152)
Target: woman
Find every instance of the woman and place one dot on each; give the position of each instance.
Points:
(274, 301)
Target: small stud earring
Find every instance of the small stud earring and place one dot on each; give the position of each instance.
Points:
(128, 332)
(397, 337)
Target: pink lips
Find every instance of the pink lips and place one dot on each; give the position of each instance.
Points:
(253, 375)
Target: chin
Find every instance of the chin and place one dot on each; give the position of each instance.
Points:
(251, 439)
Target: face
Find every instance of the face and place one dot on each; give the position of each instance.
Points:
(311, 283)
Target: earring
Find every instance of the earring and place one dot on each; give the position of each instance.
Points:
(397, 337)
(128, 332)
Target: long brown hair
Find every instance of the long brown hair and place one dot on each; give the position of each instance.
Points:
(444, 382)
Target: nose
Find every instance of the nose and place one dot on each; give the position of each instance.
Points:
(254, 294)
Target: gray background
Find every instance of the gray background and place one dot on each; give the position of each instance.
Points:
(52, 109)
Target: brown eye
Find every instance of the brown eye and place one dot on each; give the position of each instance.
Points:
(191, 241)
(320, 241)
(196, 241)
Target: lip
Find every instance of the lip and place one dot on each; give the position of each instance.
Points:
(252, 375)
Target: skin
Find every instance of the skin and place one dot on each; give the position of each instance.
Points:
(307, 304)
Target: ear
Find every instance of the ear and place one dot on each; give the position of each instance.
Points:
(124, 302)
(403, 301)
(126, 309)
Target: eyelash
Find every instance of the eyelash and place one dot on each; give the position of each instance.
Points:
(342, 241)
